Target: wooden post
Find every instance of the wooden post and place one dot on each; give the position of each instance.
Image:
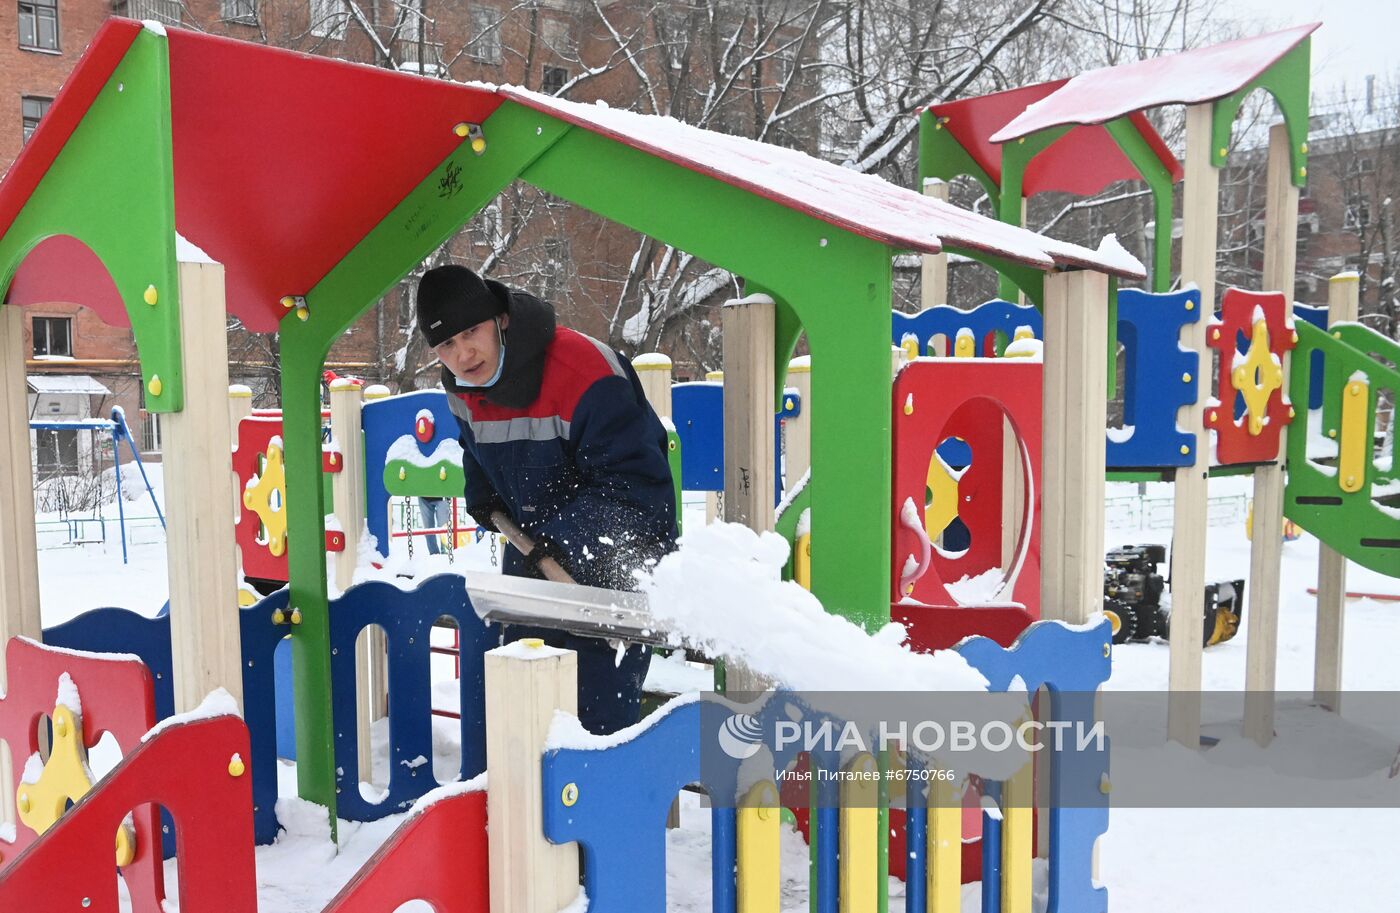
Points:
(1076, 410)
(714, 508)
(797, 436)
(749, 380)
(748, 411)
(654, 371)
(348, 493)
(1266, 544)
(1343, 304)
(19, 551)
(1188, 559)
(525, 683)
(240, 406)
(934, 267)
(198, 487)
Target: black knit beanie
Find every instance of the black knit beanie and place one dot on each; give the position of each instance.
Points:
(451, 299)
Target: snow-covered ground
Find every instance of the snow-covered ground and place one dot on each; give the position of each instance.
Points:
(1151, 859)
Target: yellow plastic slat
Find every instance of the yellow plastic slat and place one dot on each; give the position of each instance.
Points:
(759, 879)
(1017, 840)
(944, 848)
(802, 561)
(1351, 461)
(860, 833)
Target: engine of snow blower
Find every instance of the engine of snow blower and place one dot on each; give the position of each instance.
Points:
(1132, 598)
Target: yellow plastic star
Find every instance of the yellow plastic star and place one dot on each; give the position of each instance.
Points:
(1257, 377)
(268, 497)
(65, 778)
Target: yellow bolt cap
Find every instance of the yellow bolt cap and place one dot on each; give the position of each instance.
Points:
(479, 145)
(150, 296)
(155, 386)
(570, 794)
(403, 473)
(303, 313)
(1185, 449)
(24, 802)
(60, 727)
(236, 767)
(442, 473)
(1186, 378)
(461, 129)
(288, 302)
(279, 617)
(534, 643)
(296, 616)
(1190, 305)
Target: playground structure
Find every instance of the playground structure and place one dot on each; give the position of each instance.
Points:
(817, 257)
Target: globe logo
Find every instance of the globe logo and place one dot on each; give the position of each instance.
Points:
(740, 737)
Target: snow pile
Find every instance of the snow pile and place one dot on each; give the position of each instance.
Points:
(978, 590)
(721, 593)
(217, 703)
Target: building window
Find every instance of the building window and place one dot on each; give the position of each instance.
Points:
(1358, 214)
(241, 11)
(57, 450)
(553, 81)
(53, 336)
(166, 11)
(486, 34)
(38, 25)
(554, 267)
(558, 36)
(150, 433)
(328, 18)
(1361, 165)
(33, 110)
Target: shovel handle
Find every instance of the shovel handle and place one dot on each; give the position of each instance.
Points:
(525, 545)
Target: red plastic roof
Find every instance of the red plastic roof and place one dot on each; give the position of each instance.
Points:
(1188, 78)
(1083, 162)
(284, 161)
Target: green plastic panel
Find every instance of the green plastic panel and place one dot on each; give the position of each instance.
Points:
(1352, 523)
(112, 188)
(1288, 81)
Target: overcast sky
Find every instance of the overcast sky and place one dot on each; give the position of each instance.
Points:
(1357, 38)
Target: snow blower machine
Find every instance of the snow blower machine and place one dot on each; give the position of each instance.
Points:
(1132, 598)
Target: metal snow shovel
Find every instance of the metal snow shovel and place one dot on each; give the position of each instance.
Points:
(559, 602)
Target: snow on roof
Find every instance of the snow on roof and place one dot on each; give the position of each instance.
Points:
(1188, 78)
(863, 204)
(66, 383)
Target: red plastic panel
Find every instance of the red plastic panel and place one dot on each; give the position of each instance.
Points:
(1188, 78)
(283, 161)
(978, 392)
(439, 856)
(254, 433)
(1234, 443)
(117, 696)
(64, 269)
(941, 627)
(187, 770)
(1082, 162)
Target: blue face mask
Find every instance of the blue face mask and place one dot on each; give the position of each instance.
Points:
(500, 364)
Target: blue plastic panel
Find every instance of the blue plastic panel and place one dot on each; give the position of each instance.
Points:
(994, 317)
(407, 618)
(385, 421)
(1155, 383)
(697, 411)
